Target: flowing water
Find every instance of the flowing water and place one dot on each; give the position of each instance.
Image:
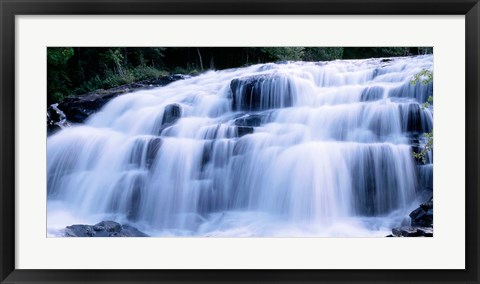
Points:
(284, 150)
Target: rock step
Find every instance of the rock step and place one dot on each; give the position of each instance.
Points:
(409, 231)
(103, 229)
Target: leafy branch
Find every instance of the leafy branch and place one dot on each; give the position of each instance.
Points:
(425, 77)
(428, 147)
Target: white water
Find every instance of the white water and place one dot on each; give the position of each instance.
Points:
(329, 153)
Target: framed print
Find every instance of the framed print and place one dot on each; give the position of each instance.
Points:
(238, 141)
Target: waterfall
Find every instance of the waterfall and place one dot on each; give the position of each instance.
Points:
(290, 149)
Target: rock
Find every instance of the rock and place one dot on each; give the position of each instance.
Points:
(171, 114)
(261, 92)
(423, 215)
(77, 109)
(415, 118)
(129, 231)
(79, 231)
(109, 226)
(409, 231)
(251, 120)
(421, 224)
(139, 152)
(244, 130)
(56, 119)
(420, 92)
(372, 93)
(103, 229)
(162, 81)
(152, 150)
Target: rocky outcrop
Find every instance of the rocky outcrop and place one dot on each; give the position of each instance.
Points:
(421, 224)
(410, 231)
(423, 215)
(103, 229)
(56, 119)
(145, 150)
(250, 120)
(260, 92)
(171, 114)
(78, 108)
(246, 124)
(372, 93)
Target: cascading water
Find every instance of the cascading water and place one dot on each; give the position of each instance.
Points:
(295, 149)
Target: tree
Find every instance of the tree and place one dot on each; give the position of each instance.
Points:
(58, 80)
(283, 53)
(322, 53)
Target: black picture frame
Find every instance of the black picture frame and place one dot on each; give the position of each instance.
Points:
(10, 8)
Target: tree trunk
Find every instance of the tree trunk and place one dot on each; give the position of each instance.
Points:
(200, 58)
(212, 63)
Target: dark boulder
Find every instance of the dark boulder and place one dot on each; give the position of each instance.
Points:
(423, 215)
(250, 120)
(244, 130)
(419, 91)
(408, 231)
(108, 226)
(56, 119)
(207, 153)
(103, 229)
(152, 151)
(421, 224)
(128, 195)
(165, 80)
(261, 92)
(138, 152)
(78, 108)
(171, 114)
(415, 119)
(79, 231)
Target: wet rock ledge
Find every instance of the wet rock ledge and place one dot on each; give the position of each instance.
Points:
(421, 224)
(103, 229)
(76, 109)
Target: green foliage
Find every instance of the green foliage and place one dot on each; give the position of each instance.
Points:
(117, 79)
(58, 80)
(144, 73)
(72, 71)
(428, 102)
(94, 83)
(181, 70)
(283, 53)
(114, 58)
(425, 50)
(371, 52)
(394, 51)
(113, 79)
(422, 155)
(58, 56)
(424, 77)
(57, 96)
(322, 53)
(147, 56)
